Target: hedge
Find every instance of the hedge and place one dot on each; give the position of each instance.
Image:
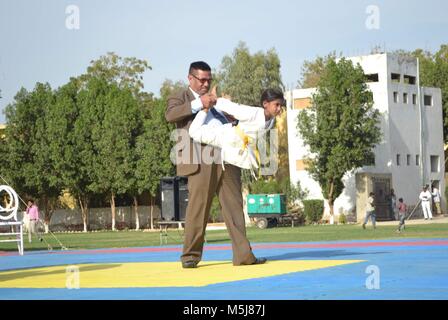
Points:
(313, 209)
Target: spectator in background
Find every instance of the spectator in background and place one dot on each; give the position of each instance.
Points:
(436, 198)
(402, 209)
(393, 205)
(425, 197)
(33, 215)
(370, 211)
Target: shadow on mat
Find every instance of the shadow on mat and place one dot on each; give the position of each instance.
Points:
(36, 272)
(223, 241)
(205, 264)
(318, 254)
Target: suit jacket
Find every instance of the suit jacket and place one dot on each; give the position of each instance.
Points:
(179, 112)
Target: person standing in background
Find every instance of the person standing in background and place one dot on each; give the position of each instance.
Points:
(393, 205)
(436, 198)
(425, 197)
(402, 208)
(33, 215)
(370, 211)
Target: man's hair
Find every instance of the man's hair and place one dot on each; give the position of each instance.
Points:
(371, 194)
(271, 95)
(199, 65)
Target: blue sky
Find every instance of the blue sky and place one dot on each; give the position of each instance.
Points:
(36, 45)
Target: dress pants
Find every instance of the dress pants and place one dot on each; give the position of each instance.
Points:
(372, 215)
(211, 179)
(32, 229)
(426, 206)
(438, 207)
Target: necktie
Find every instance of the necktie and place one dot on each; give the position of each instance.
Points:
(219, 116)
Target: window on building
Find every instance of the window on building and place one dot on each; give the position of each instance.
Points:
(414, 99)
(395, 77)
(409, 79)
(417, 159)
(395, 97)
(398, 159)
(435, 166)
(405, 97)
(372, 77)
(427, 100)
(408, 160)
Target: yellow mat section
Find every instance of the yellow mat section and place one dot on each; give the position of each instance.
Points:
(154, 274)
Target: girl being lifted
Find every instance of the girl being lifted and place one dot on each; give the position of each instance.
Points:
(238, 142)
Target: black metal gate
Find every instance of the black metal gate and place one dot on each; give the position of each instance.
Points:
(381, 188)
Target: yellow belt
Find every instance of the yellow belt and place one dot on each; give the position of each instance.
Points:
(246, 140)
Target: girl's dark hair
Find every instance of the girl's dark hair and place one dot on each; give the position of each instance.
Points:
(271, 95)
(401, 199)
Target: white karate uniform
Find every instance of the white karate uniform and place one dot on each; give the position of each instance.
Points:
(425, 197)
(238, 143)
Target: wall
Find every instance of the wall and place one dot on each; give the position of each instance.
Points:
(101, 219)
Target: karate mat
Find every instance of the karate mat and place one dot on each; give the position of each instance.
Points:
(389, 269)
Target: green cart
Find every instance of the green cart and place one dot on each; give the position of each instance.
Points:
(266, 209)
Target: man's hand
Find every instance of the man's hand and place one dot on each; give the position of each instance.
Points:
(208, 101)
(214, 91)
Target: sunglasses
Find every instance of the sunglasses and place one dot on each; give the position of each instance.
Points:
(202, 81)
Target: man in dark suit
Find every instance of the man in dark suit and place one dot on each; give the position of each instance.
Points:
(206, 178)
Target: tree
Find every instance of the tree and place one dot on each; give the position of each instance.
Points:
(70, 146)
(29, 165)
(312, 70)
(341, 128)
(154, 146)
(124, 72)
(169, 87)
(440, 80)
(244, 76)
(111, 115)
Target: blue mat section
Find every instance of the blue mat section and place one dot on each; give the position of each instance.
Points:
(406, 272)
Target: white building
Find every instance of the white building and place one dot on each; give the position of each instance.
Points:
(411, 153)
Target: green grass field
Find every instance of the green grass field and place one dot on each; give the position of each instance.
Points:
(121, 239)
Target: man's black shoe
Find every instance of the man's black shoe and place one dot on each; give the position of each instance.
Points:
(189, 264)
(260, 261)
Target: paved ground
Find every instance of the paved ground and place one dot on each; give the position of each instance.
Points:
(393, 269)
(436, 219)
